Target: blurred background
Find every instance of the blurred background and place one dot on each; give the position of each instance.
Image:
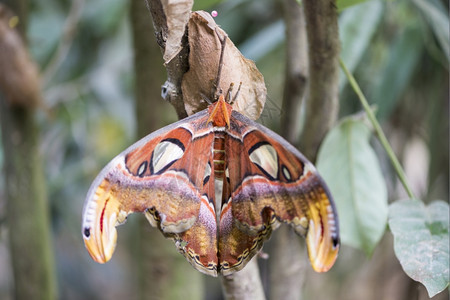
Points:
(398, 51)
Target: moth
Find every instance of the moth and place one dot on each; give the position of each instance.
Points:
(217, 183)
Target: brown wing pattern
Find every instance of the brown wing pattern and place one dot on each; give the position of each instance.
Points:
(161, 173)
(169, 175)
(269, 178)
(199, 243)
(236, 244)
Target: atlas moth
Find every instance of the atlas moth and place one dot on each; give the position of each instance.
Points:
(217, 183)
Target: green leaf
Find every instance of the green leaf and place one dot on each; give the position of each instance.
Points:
(437, 16)
(351, 169)
(421, 241)
(357, 26)
(403, 59)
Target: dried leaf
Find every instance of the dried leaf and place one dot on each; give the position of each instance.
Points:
(204, 55)
(177, 15)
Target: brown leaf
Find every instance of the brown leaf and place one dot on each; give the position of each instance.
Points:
(177, 15)
(204, 55)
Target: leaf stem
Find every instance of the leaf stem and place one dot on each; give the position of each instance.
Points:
(395, 163)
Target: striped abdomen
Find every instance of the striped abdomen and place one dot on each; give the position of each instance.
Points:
(219, 154)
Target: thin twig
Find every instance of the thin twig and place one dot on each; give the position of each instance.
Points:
(65, 41)
(178, 65)
(387, 147)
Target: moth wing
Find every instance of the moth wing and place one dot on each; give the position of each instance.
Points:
(236, 244)
(269, 178)
(199, 243)
(161, 174)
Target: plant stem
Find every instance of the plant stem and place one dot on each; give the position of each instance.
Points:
(395, 163)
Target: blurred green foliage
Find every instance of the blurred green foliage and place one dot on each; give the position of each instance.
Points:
(398, 50)
(349, 165)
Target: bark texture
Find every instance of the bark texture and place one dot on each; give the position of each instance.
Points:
(245, 284)
(176, 64)
(163, 273)
(296, 70)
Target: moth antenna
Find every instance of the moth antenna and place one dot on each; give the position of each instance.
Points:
(230, 89)
(237, 93)
(223, 41)
(205, 98)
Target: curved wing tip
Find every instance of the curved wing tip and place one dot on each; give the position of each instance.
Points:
(322, 250)
(100, 244)
(98, 253)
(323, 262)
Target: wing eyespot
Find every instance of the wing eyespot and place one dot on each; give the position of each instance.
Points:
(286, 173)
(265, 157)
(142, 168)
(166, 153)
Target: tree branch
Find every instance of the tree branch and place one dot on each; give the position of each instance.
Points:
(245, 284)
(323, 43)
(296, 70)
(65, 42)
(178, 64)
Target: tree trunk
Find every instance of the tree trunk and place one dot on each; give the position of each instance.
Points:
(27, 209)
(323, 43)
(25, 187)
